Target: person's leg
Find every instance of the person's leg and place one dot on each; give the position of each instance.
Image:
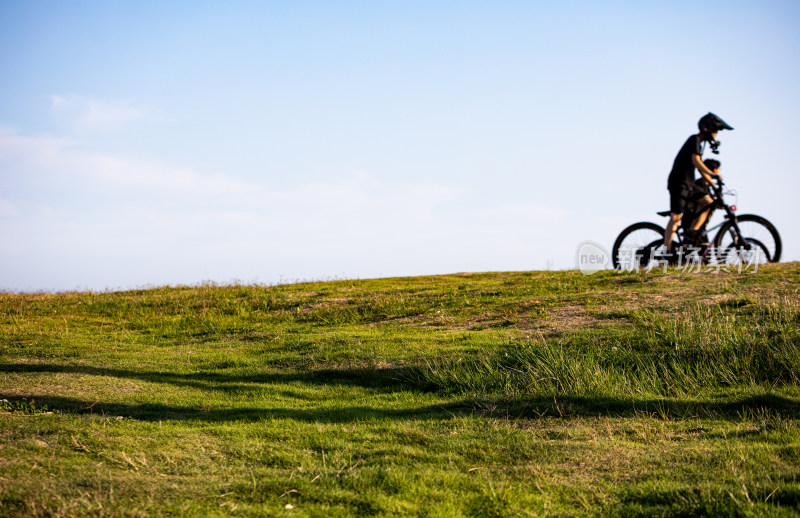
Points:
(677, 203)
(672, 227)
(703, 212)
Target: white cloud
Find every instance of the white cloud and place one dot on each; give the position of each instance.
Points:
(8, 209)
(57, 163)
(116, 221)
(92, 114)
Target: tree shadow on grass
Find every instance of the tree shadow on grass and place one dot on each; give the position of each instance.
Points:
(389, 380)
(318, 414)
(384, 380)
(532, 409)
(381, 380)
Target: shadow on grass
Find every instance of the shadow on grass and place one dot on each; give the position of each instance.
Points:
(385, 380)
(382, 381)
(162, 412)
(564, 407)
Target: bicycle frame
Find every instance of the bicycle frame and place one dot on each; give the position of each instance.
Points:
(737, 237)
(717, 195)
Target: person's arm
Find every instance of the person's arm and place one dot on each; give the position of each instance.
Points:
(705, 172)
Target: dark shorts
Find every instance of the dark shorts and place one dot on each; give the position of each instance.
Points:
(681, 195)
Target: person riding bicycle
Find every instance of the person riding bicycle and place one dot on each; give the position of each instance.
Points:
(681, 182)
(698, 209)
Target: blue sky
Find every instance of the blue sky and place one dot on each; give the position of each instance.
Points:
(151, 143)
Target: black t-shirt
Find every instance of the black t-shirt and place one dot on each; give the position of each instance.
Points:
(682, 174)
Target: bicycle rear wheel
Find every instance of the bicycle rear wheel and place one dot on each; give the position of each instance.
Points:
(761, 242)
(638, 246)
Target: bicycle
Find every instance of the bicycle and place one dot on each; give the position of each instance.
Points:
(746, 239)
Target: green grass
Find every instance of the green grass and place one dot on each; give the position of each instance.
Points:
(496, 394)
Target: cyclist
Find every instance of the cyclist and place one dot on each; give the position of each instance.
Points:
(681, 183)
(698, 207)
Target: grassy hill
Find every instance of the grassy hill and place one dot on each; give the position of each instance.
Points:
(491, 394)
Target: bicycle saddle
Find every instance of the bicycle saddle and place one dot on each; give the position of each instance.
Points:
(663, 213)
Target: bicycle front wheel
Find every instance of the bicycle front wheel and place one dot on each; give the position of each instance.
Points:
(638, 246)
(757, 242)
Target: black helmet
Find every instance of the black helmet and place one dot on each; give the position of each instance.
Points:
(710, 123)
